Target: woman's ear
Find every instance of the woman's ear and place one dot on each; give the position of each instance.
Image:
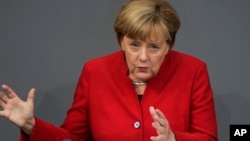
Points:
(122, 46)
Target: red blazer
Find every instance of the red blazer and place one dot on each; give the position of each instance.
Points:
(106, 106)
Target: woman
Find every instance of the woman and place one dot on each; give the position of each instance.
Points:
(144, 92)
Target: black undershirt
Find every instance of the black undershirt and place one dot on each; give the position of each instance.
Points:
(139, 97)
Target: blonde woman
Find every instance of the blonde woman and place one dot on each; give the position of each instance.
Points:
(146, 91)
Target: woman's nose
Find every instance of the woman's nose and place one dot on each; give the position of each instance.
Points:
(143, 57)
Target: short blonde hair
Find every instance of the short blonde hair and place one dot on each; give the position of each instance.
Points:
(139, 19)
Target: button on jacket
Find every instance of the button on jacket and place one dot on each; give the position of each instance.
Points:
(106, 106)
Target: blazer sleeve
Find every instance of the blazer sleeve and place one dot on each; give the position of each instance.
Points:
(203, 126)
(75, 125)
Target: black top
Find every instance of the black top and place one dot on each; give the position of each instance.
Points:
(139, 97)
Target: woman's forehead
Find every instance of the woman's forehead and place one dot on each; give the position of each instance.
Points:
(152, 33)
(150, 39)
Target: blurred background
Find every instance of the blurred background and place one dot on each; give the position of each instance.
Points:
(44, 44)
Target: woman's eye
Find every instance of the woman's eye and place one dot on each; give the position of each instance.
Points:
(154, 47)
(135, 44)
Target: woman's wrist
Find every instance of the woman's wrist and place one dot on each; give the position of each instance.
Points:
(172, 136)
(28, 126)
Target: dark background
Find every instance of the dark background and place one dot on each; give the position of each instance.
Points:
(44, 44)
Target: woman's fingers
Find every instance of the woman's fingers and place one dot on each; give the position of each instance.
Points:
(2, 104)
(31, 95)
(2, 113)
(159, 112)
(161, 125)
(3, 97)
(159, 129)
(158, 116)
(152, 111)
(9, 91)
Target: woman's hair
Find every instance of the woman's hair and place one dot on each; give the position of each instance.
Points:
(141, 19)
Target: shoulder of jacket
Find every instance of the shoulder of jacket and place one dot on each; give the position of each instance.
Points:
(186, 58)
(104, 61)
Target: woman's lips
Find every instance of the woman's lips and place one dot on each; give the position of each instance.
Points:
(142, 69)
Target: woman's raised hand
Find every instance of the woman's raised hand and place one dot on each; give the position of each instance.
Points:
(161, 125)
(16, 110)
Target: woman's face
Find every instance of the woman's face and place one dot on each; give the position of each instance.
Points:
(144, 58)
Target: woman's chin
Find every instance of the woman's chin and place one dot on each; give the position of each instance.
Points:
(143, 77)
